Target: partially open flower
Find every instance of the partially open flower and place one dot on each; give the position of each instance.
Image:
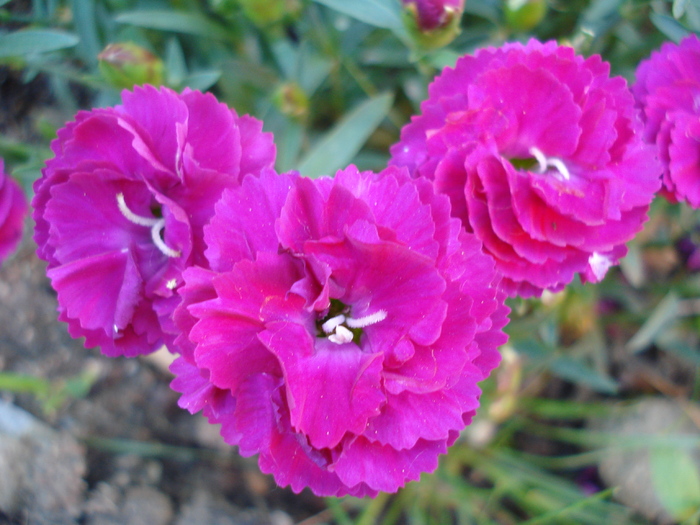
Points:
(433, 23)
(120, 209)
(341, 330)
(668, 92)
(13, 210)
(540, 152)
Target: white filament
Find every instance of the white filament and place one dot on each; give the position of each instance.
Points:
(340, 334)
(367, 320)
(136, 219)
(332, 323)
(156, 226)
(553, 162)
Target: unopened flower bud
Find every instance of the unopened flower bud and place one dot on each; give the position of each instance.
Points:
(265, 13)
(291, 100)
(433, 23)
(126, 64)
(523, 15)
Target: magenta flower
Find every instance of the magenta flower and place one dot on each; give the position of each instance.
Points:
(120, 209)
(540, 152)
(13, 209)
(668, 92)
(341, 329)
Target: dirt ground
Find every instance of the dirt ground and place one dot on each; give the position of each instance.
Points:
(122, 451)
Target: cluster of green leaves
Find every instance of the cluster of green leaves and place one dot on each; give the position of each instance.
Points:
(335, 80)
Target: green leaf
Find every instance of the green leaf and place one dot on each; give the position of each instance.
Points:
(679, 7)
(86, 25)
(175, 65)
(178, 22)
(665, 312)
(669, 27)
(338, 147)
(202, 80)
(676, 482)
(580, 373)
(31, 41)
(379, 13)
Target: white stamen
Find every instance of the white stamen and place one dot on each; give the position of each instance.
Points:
(367, 320)
(341, 336)
(541, 159)
(136, 219)
(171, 284)
(560, 166)
(155, 235)
(553, 162)
(156, 226)
(333, 323)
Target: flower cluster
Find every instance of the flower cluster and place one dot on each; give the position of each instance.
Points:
(338, 327)
(13, 209)
(668, 92)
(540, 152)
(121, 207)
(341, 328)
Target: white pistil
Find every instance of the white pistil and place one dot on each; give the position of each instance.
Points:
(156, 225)
(332, 323)
(367, 320)
(552, 162)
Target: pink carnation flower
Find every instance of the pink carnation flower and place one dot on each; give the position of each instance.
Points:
(120, 209)
(540, 152)
(341, 330)
(668, 91)
(13, 209)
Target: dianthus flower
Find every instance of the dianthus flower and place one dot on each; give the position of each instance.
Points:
(13, 209)
(120, 209)
(668, 92)
(540, 152)
(341, 329)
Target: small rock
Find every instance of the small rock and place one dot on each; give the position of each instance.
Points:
(147, 506)
(205, 509)
(139, 506)
(629, 469)
(41, 470)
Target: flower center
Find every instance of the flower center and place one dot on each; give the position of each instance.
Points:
(340, 328)
(156, 225)
(552, 162)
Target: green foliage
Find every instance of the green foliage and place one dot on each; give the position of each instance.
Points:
(335, 83)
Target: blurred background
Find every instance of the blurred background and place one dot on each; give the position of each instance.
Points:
(592, 416)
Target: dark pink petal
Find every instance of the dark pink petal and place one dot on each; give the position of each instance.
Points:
(356, 463)
(13, 209)
(258, 150)
(245, 220)
(102, 291)
(213, 137)
(321, 378)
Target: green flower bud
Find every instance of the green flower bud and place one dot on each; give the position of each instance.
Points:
(291, 100)
(265, 13)
(127, 64)
(523, 15)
